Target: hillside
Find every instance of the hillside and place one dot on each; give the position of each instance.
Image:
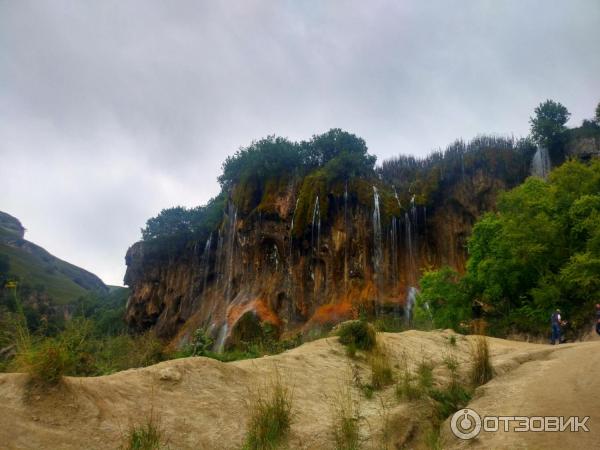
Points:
(35, 267)
(201, 403)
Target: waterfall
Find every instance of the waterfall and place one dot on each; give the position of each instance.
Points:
(294, 216)
(411, 299)
(410, 247)
(292, 235)
(394, 252)
(540, 165)
(377, 244)
(397, 199)
(346, 238)
(219, 258)
(316, 219)
(220, 342)
(204, 261)
(230, 250)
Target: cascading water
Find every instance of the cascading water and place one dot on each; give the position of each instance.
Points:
(292, 235)
(220, 342)
(394, 249)
(377, 243)
(230, 251)
(346, 238)
(205, 261)
(397, 199)
(540, 165)
(411, 298)
(316, 220)
(408, 243)
(219, 258)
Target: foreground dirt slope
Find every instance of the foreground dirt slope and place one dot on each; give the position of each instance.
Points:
(566, 383)
(201, 403)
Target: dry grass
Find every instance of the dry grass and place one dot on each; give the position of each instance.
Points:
(346, 419)
(382, 374)
(481, 370)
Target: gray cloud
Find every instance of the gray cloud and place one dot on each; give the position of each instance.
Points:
(110, 111)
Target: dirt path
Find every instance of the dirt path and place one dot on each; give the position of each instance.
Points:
(566, 383)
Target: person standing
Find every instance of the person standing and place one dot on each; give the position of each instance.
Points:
(556, 322)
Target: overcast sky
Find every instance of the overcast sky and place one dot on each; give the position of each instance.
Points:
(113, 110)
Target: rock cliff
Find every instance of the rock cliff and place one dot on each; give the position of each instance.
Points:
(299, 256)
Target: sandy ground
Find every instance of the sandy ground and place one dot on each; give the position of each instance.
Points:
(565, 383)
(202, 404)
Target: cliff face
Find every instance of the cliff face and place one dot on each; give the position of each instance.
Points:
(273, 271)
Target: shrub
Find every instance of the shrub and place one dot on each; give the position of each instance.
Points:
(270, 417)
(46, 362)
(482, 370)
(359, 333)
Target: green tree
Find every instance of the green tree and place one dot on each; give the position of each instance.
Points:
(548, 127)
(445, 294)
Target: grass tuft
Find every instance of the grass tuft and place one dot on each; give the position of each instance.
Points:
(481, 370)
(346, 420)
(382, 374)
(270, 417)
(146, 436)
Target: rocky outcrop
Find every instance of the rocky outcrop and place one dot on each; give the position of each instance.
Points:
(258, 273)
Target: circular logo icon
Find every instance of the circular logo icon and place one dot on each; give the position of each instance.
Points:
(465, 424)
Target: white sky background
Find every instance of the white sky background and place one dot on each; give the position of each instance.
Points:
(113, 110)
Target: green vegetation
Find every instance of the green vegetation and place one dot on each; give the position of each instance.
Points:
(548, 128)
(430, 178)
(256, 174)
(270, 416)
(146, 436)
(358, 333)
(539, 251)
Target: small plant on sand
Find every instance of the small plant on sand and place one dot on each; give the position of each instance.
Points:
(382, 374)
(408, 387)
(359, 333)
(452, 340)
(346, 419)
(481, 370)
(145, 436)
(270, 416)
(425, 375)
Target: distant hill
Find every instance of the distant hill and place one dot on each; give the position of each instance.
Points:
(62, 282)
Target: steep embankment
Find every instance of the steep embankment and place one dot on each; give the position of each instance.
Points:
(42, 275)
(201, 403)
